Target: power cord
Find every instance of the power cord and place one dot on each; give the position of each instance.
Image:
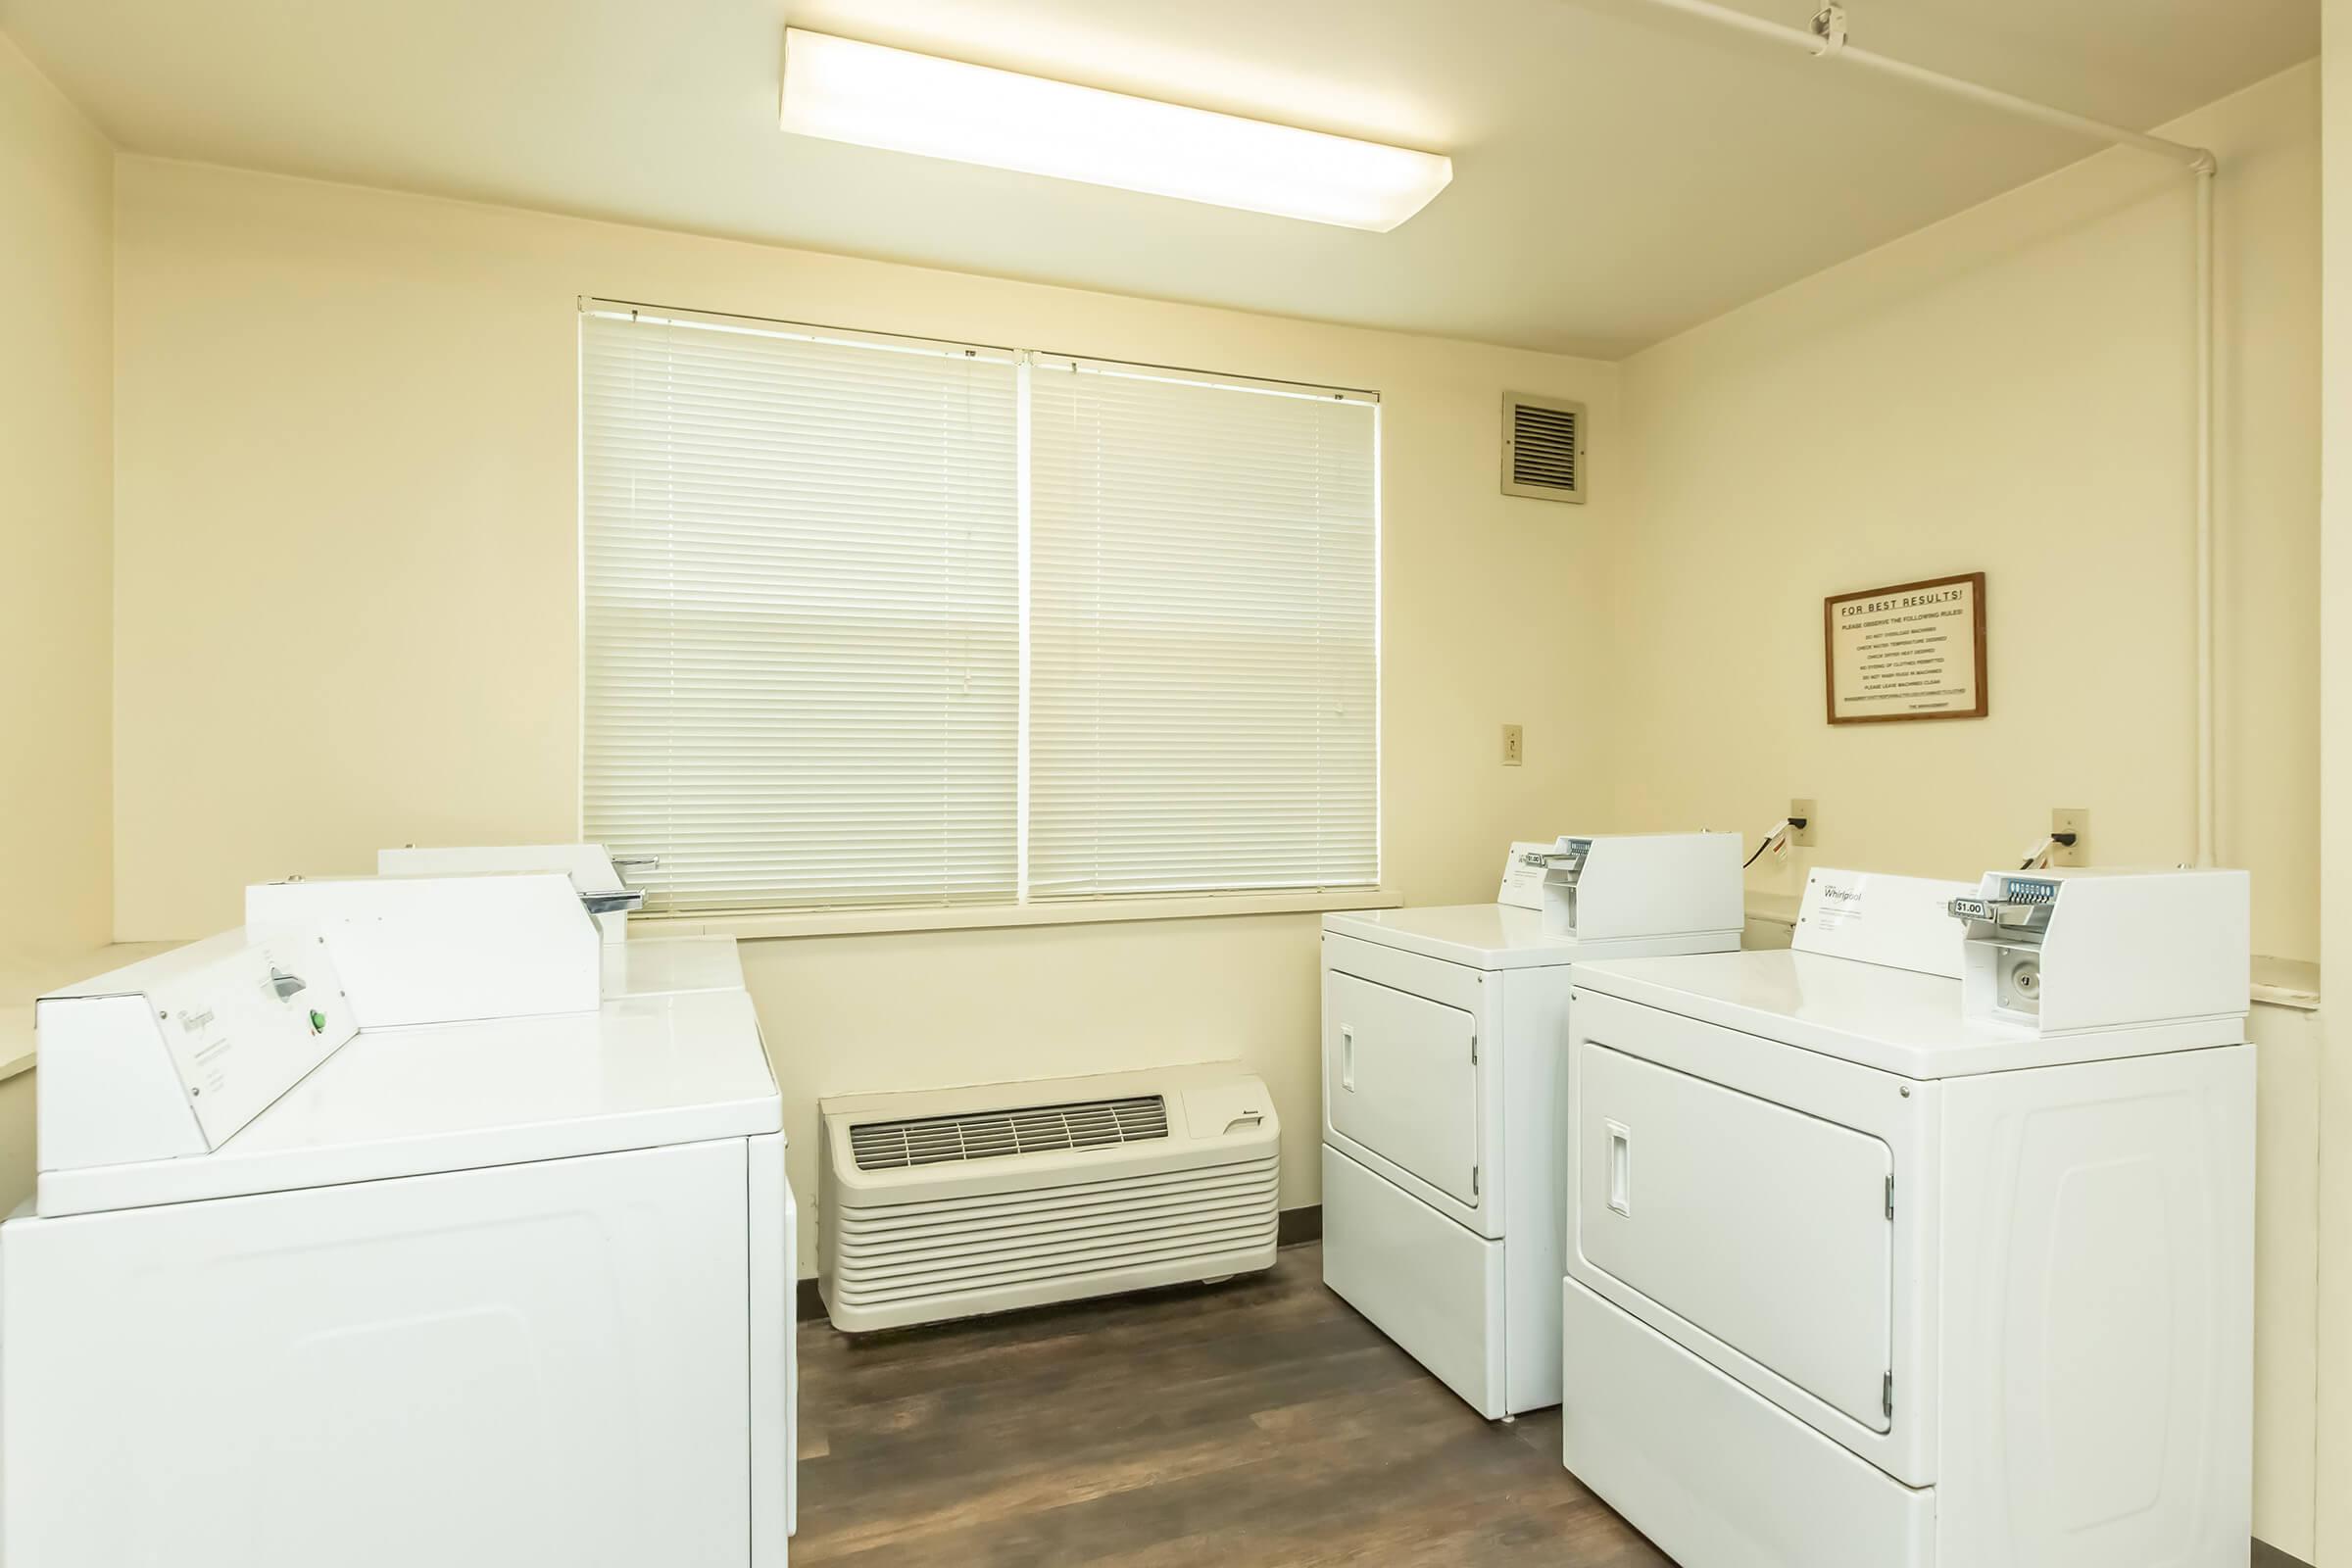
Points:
(1778, 834)
(2038, 856)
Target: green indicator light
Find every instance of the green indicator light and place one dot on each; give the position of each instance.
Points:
(317, 1023)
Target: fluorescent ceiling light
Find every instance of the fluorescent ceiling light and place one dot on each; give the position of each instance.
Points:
(873, 96)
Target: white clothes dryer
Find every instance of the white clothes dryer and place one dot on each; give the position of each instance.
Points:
(1869, 1268)
(1443, 1032)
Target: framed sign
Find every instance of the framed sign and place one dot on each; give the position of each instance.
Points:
(1913, 651)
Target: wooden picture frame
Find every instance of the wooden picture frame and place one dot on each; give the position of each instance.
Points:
(1914, 651)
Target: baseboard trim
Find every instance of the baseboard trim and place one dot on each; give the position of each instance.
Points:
(2266, 1555)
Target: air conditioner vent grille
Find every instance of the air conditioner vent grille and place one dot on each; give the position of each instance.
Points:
(950, 1202)
(998, 1134)
(1543, 448)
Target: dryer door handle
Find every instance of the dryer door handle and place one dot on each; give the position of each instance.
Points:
(1348, 1057)
(1621, 1167)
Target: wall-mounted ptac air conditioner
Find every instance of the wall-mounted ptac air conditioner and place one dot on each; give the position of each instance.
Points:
(1543, 446)
(946, 1203)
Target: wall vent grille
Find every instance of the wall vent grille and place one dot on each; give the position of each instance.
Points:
(1542, 447)
(998, 1134)
(950, 1202)
(1083, 1238)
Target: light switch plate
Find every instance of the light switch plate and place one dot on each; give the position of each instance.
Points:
(1514, 750)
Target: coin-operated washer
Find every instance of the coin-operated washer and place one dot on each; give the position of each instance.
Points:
(1442, 1034)
(373, 1234)
(1922, 1242)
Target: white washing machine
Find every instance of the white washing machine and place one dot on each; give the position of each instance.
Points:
(1873, 1267)
(1442, 1030)
(498, 1284)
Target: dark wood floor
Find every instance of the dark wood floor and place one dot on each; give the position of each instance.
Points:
(1259, 1422)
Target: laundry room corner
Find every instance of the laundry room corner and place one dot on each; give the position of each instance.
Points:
(2006, 391)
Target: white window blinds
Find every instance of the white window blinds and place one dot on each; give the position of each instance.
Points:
(873, 621)
(802, 618)
(1204, 634)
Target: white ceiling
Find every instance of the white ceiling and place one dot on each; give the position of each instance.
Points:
(1621, 171)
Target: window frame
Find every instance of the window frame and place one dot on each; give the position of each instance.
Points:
(1023, 910)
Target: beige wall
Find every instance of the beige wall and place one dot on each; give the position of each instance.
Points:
(2010, 392)
(346, 522)
(2006, 392)
(2287, 1226)
(2334, 1460)
(15, 1140)
(56, 271)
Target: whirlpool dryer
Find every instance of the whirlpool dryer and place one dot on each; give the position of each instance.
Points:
(1928, 1241)
(1441, 1033)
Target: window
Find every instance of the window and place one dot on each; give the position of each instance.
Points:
(1202, 635)
(874, 621)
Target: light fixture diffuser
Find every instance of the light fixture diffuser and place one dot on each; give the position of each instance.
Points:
(874, 96)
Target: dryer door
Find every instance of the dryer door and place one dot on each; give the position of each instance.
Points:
(1401, 1081)
(1762, 1226)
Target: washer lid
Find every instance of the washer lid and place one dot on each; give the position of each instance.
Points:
(1484, 936)
(1896, 1020)
(638, 1074)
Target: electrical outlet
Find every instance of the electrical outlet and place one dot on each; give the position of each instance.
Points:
(1514, 750)
(1802, 837)
(2072, 820)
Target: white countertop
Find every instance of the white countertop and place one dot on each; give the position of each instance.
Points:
(2286, 983)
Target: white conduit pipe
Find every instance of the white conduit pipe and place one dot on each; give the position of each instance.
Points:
(2201, 163)
(2207, 612)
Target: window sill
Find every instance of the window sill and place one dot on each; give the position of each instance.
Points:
(2287, 983)
(991, 916)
